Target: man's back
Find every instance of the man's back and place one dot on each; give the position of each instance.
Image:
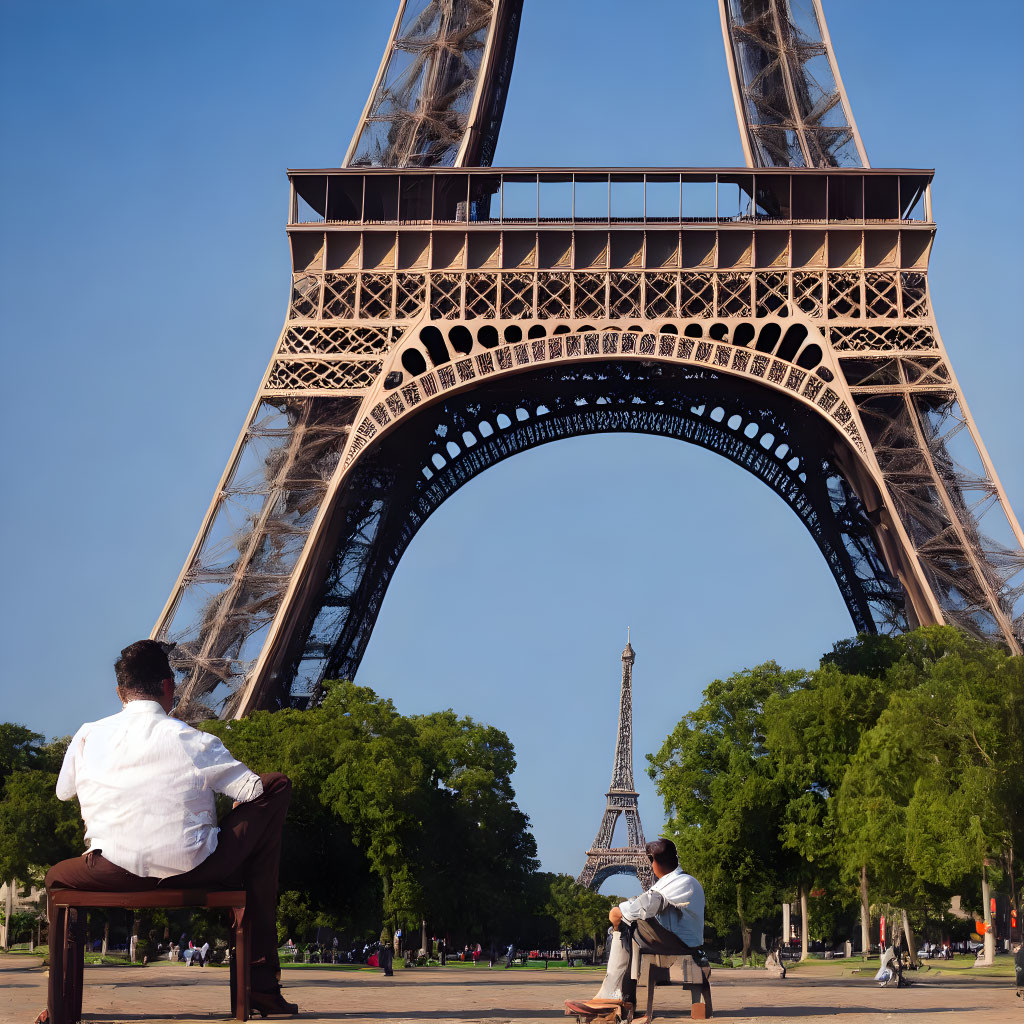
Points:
(676, 900)
(146, 784)
(684, 914)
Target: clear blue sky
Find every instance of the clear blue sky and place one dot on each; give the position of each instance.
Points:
(143, 281)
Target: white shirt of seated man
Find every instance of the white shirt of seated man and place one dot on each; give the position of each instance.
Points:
(675, 901)
(146, 784)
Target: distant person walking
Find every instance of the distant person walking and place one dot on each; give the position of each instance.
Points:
(509, 954)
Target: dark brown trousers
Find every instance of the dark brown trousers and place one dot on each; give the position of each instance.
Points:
(247, 857)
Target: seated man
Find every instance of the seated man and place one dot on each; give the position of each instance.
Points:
(146, 784)
(669, 915)
(195, 956)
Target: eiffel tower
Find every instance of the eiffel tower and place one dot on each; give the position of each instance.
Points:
(603, 859)
(445, 315)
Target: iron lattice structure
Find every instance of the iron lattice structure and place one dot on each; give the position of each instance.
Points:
(603, 859)
(440, 92)
(442, 319)
(789, 96)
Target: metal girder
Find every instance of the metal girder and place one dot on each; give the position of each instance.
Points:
(439, 95)
(790, 101)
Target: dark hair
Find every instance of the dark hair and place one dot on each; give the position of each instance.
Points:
(664, 852)
(142, 668)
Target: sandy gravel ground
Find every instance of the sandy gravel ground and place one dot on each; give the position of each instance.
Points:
(172, 992)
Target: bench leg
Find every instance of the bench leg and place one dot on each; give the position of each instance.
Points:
(650, 991)
(705, 991)
(57, 927)
(241, 968)
(74, 964)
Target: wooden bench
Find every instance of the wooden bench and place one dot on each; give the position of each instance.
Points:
(67, 945)
(667, 966)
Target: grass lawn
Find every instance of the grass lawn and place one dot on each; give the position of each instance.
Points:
(530, 965)
(961, 966)
(1002, 968)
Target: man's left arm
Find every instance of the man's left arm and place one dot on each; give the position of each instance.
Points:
(223, 773)
(652, 902)
(647, 904)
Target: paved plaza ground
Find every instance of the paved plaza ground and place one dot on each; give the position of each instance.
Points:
(166, 992)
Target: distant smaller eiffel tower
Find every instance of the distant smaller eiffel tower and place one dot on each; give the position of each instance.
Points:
(603, 859)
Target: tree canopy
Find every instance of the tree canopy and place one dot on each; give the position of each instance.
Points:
(419, 811)
(36, 829)
(894, 764)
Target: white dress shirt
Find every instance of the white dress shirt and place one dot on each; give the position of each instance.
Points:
(665, 901)
(145, 782)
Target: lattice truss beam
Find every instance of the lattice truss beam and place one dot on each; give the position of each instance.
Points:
(242, 563)
(790, 101)
(386, 304)
(440, 91)
(945, 494)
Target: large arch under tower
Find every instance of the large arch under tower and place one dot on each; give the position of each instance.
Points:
(399, 481)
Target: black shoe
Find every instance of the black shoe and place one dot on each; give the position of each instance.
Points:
(274, 1004)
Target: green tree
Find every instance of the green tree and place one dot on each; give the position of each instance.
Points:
(20, 748)
(935, 787)
(296, 918)
(813, 733)
(578, 911)
(467, 792)
(36, 829)
(966, 805)
(424, 803)
(724, 806)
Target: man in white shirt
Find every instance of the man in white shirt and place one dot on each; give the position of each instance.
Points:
(146, 785)
(669, 915)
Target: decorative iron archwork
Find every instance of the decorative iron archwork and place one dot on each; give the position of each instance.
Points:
(402, 479)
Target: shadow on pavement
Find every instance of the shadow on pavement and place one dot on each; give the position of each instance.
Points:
(774, 1011)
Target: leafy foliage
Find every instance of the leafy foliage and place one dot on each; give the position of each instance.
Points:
(578, 912)
(723, 805)
(417, 812)
(898, 758)
(36, 829)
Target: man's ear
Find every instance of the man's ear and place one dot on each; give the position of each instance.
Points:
(168, 695)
